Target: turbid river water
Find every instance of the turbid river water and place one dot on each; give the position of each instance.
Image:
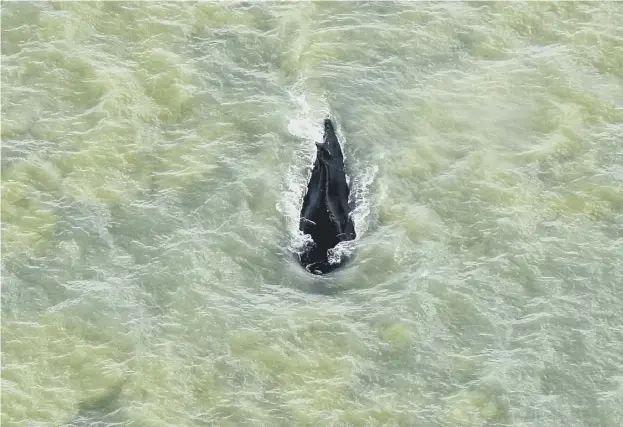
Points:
(154, 162)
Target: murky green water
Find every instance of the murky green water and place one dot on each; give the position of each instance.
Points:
(154, 159)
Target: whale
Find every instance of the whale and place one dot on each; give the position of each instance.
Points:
(326, 213)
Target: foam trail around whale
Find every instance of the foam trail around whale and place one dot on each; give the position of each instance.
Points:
(306, 125)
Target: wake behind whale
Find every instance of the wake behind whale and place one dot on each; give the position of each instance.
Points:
(326, 214)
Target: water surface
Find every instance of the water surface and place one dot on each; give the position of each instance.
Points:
(154, 161)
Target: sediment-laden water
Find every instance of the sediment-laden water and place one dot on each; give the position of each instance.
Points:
(154, 161)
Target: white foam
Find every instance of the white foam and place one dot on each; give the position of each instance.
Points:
(359, 199)
(305, 124)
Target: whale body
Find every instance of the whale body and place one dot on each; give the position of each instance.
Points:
(325, 214)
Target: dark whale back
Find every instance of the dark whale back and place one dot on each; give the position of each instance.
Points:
(325, 214)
